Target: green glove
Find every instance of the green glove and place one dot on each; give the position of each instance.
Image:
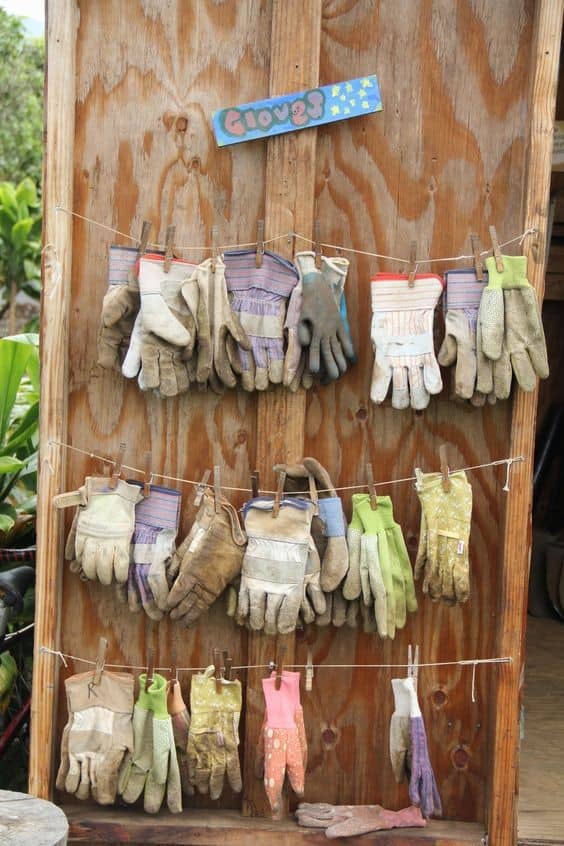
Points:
(133, 774)
(164, 775)
(352, 586)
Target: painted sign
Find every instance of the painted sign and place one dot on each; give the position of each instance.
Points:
(290, 112)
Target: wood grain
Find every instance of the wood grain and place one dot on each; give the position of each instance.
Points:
(25, 820)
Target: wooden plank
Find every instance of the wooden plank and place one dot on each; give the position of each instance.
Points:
(289, 207)
(62, 23)
(512, 609)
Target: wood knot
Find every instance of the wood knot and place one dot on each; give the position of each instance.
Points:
(241, 437)
(362, 414)
(439, 698)
(329, 737)
(460, 758)
(181, 124)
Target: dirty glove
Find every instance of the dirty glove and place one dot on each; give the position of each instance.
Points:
(208, 559)
(97, 735)
(442, 555)
(402, 338)
(259, 297)
(274, 566)
(462, 299)
(156, 526)
(320, 326)
(338, 611)
(195, 291)
(422, 785)
(214, 734)
(282, 745)
(400, 751)
(103, 529)
(228, 336)
(350, 820)
(119, 307)
(180, 727)
(313, 600)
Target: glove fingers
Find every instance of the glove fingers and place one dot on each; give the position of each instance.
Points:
(257, 609)
(314, 353)
(400, 388)
(524, 370)
(331, 365)
(448, 351)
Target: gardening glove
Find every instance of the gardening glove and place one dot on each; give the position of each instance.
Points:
(103, 529)
(136, 765)
(423, 789)
(97, 736)
(274, 566)
(163, 777)
(180, 727)
(320, 326)
(400, 752)
(195, 292)
(281, 749)
(228, 336)
(207, 561)
(313, 600)
(402, 338)
(164, 333)
(156, 526)
(494, 377)
(462, 299)
(338, 611)
(351, 820)
(214, 734)
(442, 555)
(259, 297)
(119, 307)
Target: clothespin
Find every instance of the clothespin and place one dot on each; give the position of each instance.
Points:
(309, 671)
(371, 487)
(478, 264)
(150, 666)
(413, 664)
(279, 492)
(217, 488)
(228, 664)
(313, 495)
(496, 250)
(317, 244)
(116, 472)
(260, 243)
(148, 474)
(444, 467)
(100, 660)
(144, 240)
(214, 249)
(217, 667)
(173, 662)
(412, 266)
(201, 488)
(255, 482)
(279, 667)
(169, 247)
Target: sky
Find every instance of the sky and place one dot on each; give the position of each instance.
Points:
(26, 8)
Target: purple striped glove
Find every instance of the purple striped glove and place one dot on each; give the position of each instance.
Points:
(423, 790)
(259, 297)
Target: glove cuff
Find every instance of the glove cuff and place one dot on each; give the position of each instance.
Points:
(157, 697)
(463, 290)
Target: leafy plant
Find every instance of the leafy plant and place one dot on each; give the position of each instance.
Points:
(20, 245)
(19, 435)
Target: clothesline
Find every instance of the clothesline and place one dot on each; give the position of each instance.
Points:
(507, 461)
(291, 235)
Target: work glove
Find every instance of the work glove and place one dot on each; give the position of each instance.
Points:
(442, 555)
(321, 326)
(97, 736)
(180, 727)
(103, 528)
(494, 377)
(228, 336)
(351, 820)
(259, 297)
(119, 308)
(213, 738)
(164, 333)
(282, 748)
(313, 600)
(509, 312)
(400, 751)
(423, 790)
(153, 545)
(207, 561)
(463, 292)
(402, 338)
(274, 565)
(340, 611)
(195, 292)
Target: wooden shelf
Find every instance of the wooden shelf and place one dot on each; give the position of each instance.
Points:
(92, 824)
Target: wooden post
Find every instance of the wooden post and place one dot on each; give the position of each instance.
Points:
(289, 206)
(511, 619)
(62, 24)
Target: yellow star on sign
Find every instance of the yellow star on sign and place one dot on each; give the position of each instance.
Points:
(348, 87)
(365, 83)
(352, 102)
(335, 90)
(365, 104)
(335, 110)
(346, 110)
(343, 97)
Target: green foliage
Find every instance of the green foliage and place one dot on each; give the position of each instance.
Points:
(20, 238)
(19, 434)
(21, 93)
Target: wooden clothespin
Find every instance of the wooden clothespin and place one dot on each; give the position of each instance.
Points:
(116, 472)
(413, 664)
(200, 489)
(150, 666)
(260, 243)
(214, 248)
(144, 240)
(279, 667)
(444, 467)
(148, 474)
(412, 266)
(217, 667)
(100, 660)
(496, 250)
(371, 487)
(313, 495)
(478, 264)
(227, 665)
(279, 491)
(217, 488)
(255, 482)
(169, 247)
(317, 244)
(309, 671)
